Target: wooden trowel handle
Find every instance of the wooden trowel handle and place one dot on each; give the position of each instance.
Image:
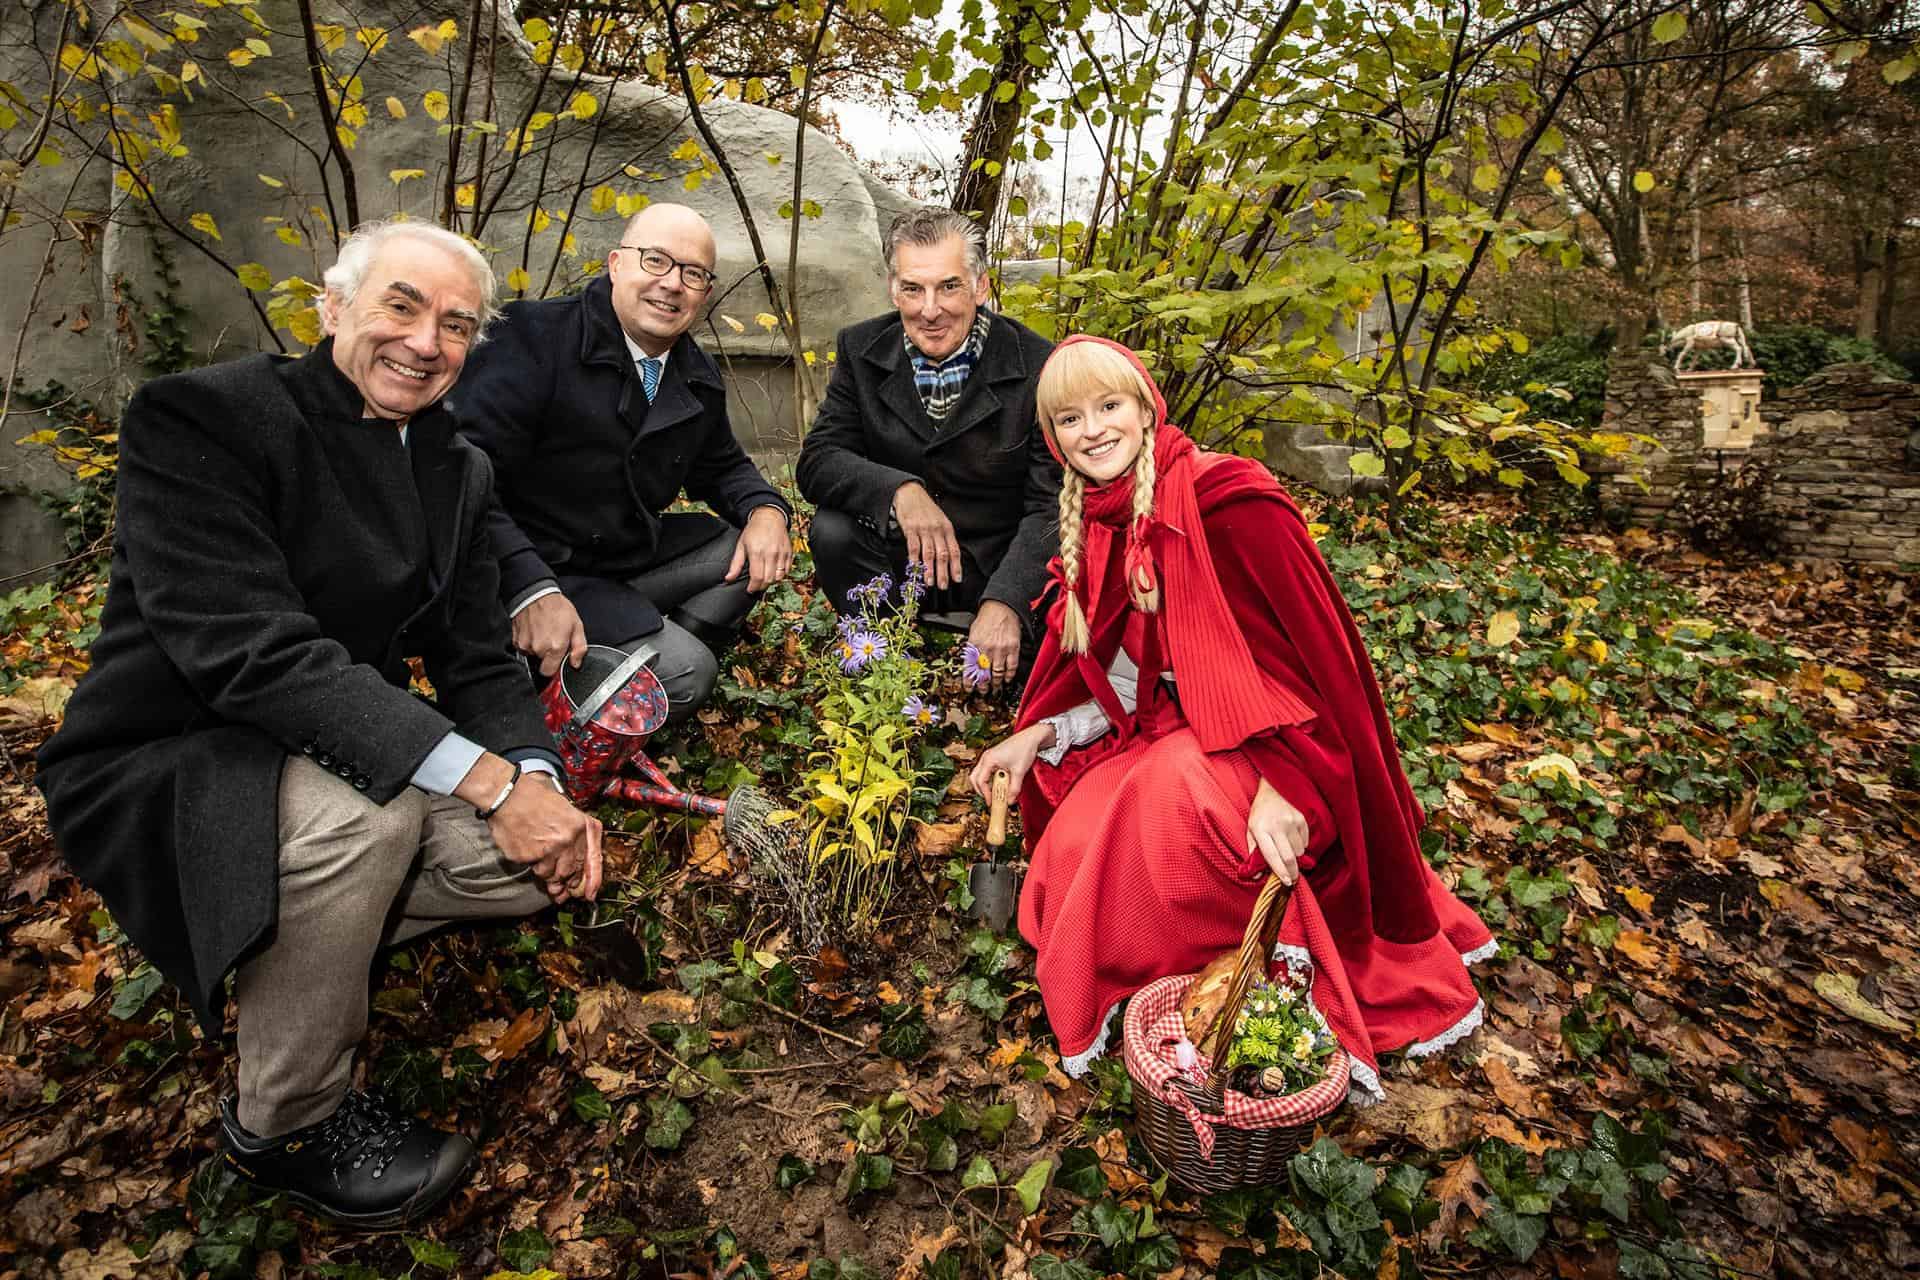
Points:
(997, 819)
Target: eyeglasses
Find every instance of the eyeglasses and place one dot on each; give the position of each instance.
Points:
(656, 263)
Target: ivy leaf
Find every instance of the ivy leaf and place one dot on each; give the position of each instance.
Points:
(525, 1249)
(431, 1253)
(131, 993)
(1517, 1233)
(670, 1121)
(1044, 1266)
(589, 1103)
(790, 1172)
(1080, 1173)
(979, 1174)
(1033, 1184)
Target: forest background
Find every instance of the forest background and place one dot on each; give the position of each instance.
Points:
(1680, 786)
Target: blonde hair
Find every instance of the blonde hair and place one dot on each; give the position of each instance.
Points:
(1072, 373)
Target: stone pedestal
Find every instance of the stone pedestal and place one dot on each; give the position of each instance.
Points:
(1729, 405)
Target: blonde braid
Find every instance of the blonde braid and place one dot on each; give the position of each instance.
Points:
(1147, 601)
(1075, 636)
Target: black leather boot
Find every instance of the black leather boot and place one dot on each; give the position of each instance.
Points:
(362, 1166)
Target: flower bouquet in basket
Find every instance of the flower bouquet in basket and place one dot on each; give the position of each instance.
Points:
(1280, 1042)
(1233, 1117)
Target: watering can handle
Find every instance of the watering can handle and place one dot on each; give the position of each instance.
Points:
(997, 819)
(643, 656)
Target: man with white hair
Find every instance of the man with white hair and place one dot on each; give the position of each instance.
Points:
(244, 775)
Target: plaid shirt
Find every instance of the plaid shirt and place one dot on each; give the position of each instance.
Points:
(941, 381)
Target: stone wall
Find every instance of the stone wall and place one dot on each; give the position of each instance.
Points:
(86, 329)
(1844, 484)
(1841, 455)
(1644, 398)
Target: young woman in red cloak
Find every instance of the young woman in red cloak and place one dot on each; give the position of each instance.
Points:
(1203, 713)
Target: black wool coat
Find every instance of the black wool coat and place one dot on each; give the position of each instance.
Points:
(240, 629)
(585, 465)
(988, 466)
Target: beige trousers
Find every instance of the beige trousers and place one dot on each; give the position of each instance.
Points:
(354, 876)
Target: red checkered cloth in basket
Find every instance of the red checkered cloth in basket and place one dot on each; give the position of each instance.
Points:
(1154, 1026)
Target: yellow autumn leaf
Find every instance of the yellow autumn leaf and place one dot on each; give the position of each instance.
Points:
(240, 57)
(396, 108)
(584, 106)
(374, 38)
(602, 199)
(463, 195)
(304, 324)
(289, 235)
(1554, 178)
(1639, 899)
(1643, 182)
(254, 276)
(203, 222)
(732, 324)
(269, 180)
(432, 39)
(767, 320)
(1842, 991)
(398, 176)
(1551, 763)
(536, 30)
(538, 219)
(1503, 628)
(434, 103)
(517, 280)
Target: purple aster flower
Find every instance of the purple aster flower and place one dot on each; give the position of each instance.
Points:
(975, 668)
(860, 648)
(919, 712)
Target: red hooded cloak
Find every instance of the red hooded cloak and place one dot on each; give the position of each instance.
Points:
(1139, 860)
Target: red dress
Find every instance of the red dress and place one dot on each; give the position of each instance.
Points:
(1139, 859)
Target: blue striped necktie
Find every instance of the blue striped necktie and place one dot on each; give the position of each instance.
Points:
(650, 376)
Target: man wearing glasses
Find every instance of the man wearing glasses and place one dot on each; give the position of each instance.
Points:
(599, 410)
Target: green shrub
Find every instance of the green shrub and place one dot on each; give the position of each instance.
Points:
(1571, 361)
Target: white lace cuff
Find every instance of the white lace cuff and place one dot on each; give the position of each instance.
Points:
(1074, 727)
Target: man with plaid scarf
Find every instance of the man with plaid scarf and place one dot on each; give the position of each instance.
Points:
(925, 450)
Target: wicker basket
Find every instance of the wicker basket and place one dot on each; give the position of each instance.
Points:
(1246, 1152)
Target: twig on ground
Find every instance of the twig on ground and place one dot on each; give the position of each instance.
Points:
(811, 1026)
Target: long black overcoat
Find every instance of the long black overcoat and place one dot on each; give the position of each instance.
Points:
(236, 633)
(586, 466)
(988, 466)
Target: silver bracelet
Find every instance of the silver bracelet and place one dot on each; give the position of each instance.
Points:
(501, 799)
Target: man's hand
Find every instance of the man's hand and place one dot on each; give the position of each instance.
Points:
(996, 634)
(1015, 754)
(1278, 831)
(765, 550)
(929, 534)
(550, 629)
(538, 827)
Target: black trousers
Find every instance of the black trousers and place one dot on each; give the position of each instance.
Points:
(848, 552)
(700, 615)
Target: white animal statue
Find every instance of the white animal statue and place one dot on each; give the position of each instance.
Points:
(1705, 336)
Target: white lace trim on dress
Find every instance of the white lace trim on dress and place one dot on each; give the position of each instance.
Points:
(1077, 1065)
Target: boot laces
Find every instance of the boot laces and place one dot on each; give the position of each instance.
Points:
(363, 1130)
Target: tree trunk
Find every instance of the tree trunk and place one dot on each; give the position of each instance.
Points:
(983, 166)
(1889, 290)
(1867, 270)
(1696, 285)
